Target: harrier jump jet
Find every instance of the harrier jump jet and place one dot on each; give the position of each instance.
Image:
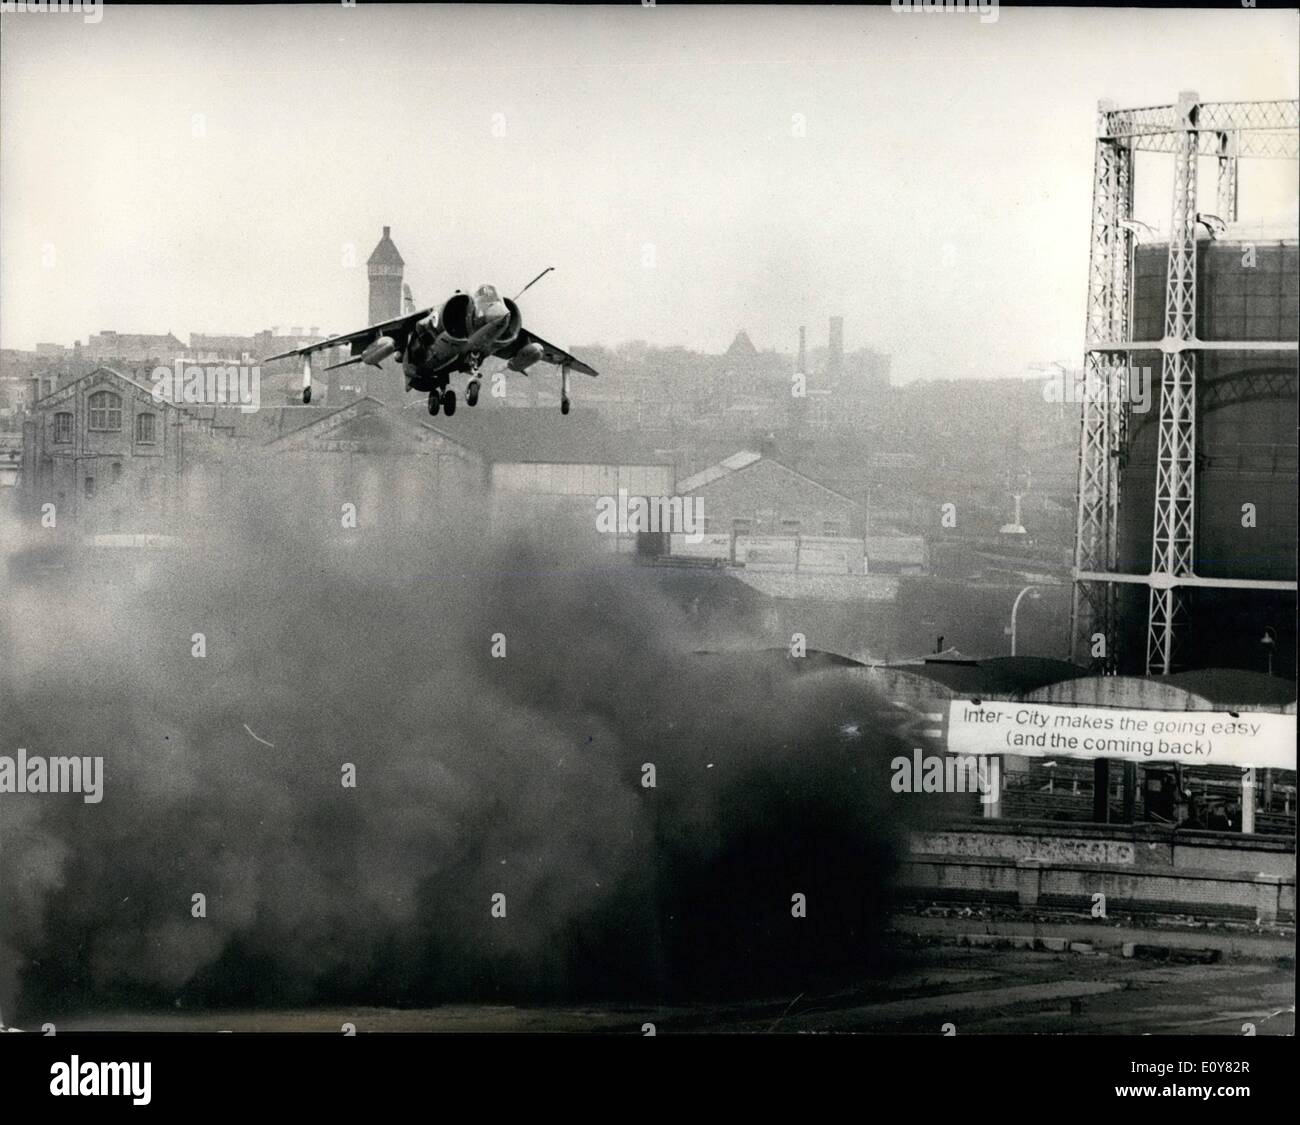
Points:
(433, 345)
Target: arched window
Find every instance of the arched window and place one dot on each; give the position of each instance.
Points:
(105, 411)
(145, 432)
(62, 427)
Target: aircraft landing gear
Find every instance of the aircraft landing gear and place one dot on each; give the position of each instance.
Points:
(471, 392)
(449, 402)
(434, 402)
(306, 395)
(564, 406)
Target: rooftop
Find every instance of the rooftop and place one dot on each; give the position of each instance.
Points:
(520, 434)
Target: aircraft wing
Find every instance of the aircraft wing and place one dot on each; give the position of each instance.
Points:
(398, 328)
(550, 353)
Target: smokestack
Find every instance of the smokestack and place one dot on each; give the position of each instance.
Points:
(803, 356)
(835, 356)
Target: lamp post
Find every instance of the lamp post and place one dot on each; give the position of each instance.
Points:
(1269, 641)
(1015, 608)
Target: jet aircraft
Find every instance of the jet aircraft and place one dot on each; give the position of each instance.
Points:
(433, 345)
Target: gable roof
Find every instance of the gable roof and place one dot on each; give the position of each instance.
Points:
(365, 419)
(739, 462)
(99, 372)
(742, 345)
(731, 464)
(264, 425)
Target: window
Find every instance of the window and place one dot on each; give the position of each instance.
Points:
(90, 487)
(832, 527)
(117, 471)
(741, 526)
(145, 433)
(63, 427)
(789, 527)
(105, 411)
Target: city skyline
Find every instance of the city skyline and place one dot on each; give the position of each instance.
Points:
(633, 149)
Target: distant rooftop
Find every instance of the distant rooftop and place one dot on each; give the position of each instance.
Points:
(742, 345)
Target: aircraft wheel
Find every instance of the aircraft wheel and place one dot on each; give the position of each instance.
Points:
(564, 406)
(449, 402)
(306, 395)
(471, 393)
(433, 402)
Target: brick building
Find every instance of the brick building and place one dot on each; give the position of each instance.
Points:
(105, 453)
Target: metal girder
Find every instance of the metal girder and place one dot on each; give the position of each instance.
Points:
(1104, 406)
(1164, 580)
(1227, 194)
(1174, 525)
(1266, 146)
(1193, 345)
(1279, 114)
(1188, 130)
(1259, 129)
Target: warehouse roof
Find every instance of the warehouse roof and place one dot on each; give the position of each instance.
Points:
(542, 436)
(821, 587)
(731, 464)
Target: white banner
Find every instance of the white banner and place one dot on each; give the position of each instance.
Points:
(1166, 738)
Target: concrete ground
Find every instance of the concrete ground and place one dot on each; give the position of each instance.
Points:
(936, 989)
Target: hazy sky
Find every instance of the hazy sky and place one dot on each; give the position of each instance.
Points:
(209, 170)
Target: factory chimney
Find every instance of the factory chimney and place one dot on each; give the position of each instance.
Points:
(802, 368)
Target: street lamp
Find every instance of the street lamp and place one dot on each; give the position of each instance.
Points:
(1015, 608)
(1269, 641)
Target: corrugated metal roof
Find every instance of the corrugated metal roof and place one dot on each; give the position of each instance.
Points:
(821, 587)
(1029, 677)
(734, 463)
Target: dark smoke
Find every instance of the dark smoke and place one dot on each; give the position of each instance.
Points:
(475, 776)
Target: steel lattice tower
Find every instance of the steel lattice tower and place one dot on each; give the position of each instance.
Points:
(1189, 129)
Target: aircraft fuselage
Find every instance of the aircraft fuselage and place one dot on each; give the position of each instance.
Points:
(467, 331)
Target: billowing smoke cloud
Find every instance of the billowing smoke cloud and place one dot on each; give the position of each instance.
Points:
(502, 699)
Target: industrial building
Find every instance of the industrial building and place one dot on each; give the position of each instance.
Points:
(1186, 513)
(1246, 456)
(1184, 577)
